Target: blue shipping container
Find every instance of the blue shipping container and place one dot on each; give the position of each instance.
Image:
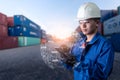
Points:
(118, 10)
(11, 31)
(20, 20)
(43, 34)
(23, 31)
(115, 39)
(107, 14)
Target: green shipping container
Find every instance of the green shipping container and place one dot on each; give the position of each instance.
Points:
(28, 41)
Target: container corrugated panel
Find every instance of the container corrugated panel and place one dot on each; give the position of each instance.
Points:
(10, 21)
(112, 25)
(100, 29)
(118, 10)
(43, 34)
(3, 31)
(24, 21)
(107, 14)
(23, 31)
(18, 31)
(115, 39)
(8, 42)
(3, 19)
(11, 31)
(1, 43)
(34, 34)
(28, 41)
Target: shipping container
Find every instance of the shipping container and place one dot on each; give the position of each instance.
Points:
(34, 34)
(43, 41)
(107, 14)
(118, 10)
(3, 19)
(3, 31)
(17, 31)
(115, 39)
(23, 31)
(10, 21)
(1, 43)
(43, 34)
(112, 26)
(11, 31)
(24, 21)
(28, 41)
(8, 42)
(100, 28)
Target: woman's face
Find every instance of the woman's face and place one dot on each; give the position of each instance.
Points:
(88, 26)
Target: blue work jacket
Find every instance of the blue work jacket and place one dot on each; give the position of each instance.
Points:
(95, 60)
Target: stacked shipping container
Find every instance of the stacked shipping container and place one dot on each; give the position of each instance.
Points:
(115, 39)
(112, 26)
(107, 14)
(28, 41)
(27, 31)
(3, 19)
(118, 10)
(6, 42)
(111, 29)
(3, 25)
(10, 21)
(24, 27)
(18, 31)
(43, 37)
(23, 31)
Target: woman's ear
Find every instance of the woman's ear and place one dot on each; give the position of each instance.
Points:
(98, 23)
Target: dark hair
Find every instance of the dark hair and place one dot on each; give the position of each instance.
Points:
(95, 19)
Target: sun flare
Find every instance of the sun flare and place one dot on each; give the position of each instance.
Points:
(61, 33)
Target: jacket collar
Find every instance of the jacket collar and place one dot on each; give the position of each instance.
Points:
(95, 38)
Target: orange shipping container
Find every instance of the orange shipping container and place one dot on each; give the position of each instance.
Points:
(3, 19)
(10, 21)
(43, 41)
(3, 31)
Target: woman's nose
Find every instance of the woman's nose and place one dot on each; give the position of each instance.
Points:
(83, 25)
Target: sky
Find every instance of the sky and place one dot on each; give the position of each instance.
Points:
(56, 17)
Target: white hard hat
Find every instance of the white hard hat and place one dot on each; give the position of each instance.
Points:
(87, 11)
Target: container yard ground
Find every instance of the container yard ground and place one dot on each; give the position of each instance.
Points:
(116, 68)
(25, 63)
